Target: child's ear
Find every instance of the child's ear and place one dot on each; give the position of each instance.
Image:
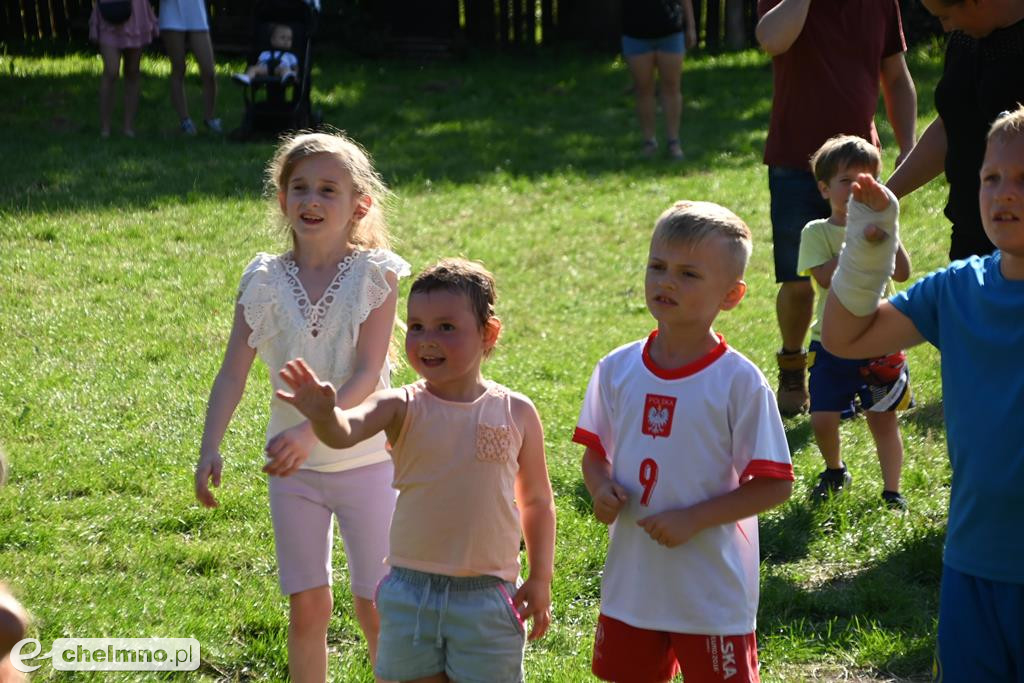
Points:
(282, 199)
(823, 189)
(734, 296)
(492, 330)
(363, 207)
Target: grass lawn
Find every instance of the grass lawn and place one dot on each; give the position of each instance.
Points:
(119, 261)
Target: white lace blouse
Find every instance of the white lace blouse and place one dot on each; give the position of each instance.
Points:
(285, 324)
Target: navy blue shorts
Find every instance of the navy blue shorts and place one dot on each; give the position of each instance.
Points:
(981, 630)
(795, 202)
(881, 385)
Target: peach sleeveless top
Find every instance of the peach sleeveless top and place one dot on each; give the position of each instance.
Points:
(455, 470)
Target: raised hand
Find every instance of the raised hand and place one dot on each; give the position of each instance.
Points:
(310, 396)
(533, 601)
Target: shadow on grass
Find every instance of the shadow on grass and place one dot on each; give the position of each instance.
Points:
(446, 122)
(898, 594)
(927, 417)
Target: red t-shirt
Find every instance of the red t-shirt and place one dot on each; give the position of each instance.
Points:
(827, 82)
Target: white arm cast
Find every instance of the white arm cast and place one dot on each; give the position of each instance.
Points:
(866, 266)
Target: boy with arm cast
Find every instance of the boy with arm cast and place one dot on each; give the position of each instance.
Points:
(971, 311)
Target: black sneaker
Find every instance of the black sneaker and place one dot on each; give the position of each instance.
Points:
(831, 483)
(894, 501)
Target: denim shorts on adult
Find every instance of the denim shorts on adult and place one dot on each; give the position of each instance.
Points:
(464, 626)
(673, 43)
(795, 202)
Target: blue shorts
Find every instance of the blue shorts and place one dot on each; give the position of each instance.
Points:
(835, 383)
(673, 43)
(464, 626)
(795, 202)
(981, 630)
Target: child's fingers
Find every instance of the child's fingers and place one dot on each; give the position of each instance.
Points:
(621, 494)
(541, 621)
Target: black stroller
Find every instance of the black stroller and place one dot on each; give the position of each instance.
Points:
(272, 105)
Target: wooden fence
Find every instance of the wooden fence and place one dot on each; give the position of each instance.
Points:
(431, 25)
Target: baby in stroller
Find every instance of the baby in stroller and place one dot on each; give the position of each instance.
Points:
(277, 62)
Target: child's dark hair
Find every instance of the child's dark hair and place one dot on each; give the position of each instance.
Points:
(844, 150)
(460, 276)
(1007, 125)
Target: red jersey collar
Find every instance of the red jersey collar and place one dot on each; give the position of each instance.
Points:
(685, 370)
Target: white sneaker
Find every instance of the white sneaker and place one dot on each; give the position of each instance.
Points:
(241, 78)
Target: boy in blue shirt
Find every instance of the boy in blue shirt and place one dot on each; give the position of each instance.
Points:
(973, 311)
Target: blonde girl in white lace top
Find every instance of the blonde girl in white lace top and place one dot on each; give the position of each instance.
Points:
(331, 299)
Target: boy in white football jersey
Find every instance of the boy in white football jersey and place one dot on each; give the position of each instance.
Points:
(684, 446)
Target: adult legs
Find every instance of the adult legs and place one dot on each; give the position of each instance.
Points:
(174, 43)
(309, 614)
(641, 67)
(202, 48)
(108, 81)
(132, 84)
(794, 308)
(670, 72)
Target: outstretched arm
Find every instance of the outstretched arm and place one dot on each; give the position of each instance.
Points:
(925, 161)
(779, 28)
(537, 512)
(224, 397)
(855, 324)
(381, 411)
(900, 102)
(675, 527)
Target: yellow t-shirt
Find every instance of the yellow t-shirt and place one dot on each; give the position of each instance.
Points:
(820, 242)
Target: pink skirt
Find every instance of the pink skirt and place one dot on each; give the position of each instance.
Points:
(140, 30)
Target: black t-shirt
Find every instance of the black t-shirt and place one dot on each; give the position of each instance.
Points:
(651, 18)
(982, 78)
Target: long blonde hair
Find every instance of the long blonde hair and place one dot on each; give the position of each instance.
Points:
(370, 231)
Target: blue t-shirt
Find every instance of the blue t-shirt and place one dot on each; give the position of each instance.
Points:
(975, 317)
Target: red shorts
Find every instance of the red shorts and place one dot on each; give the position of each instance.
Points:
(626, 653)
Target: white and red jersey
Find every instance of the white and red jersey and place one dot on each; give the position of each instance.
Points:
(675, 438)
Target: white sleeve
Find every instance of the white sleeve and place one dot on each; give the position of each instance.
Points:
(759, 446)
(593, 429)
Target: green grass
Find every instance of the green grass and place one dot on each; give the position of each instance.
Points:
(118, 266)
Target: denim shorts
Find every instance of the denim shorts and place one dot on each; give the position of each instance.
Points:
(673, 43)
(464, 626)
(795, 202)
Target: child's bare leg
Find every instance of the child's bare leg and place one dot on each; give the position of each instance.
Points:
(108, 81)
(310, 611)
(885, 429)
(826, 435)
(132, 84)
(369, 622)
(642, 69)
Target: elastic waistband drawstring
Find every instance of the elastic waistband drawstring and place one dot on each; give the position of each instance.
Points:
(423, 601)
(440, 617)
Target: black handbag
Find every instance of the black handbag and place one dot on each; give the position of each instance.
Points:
(116, 11)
